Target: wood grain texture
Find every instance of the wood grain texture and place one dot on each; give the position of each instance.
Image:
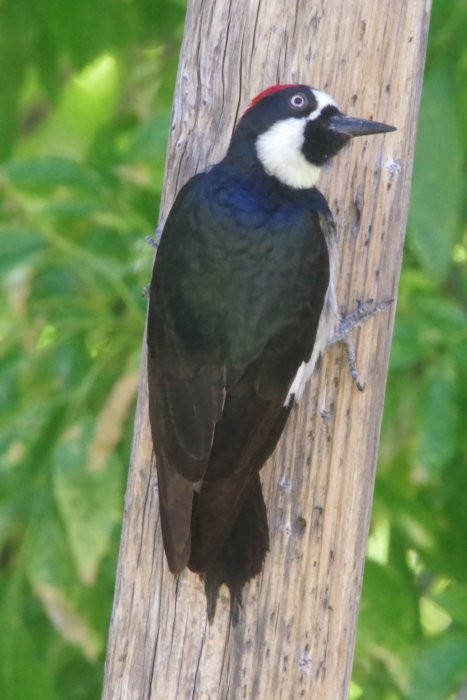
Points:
(296, 634)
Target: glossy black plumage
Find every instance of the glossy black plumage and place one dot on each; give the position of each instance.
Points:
(238, 287)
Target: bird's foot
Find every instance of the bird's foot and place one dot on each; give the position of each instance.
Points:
(154, 240)
(362, 314)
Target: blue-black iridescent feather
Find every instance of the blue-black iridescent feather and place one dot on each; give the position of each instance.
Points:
(238, 286)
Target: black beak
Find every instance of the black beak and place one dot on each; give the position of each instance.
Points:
(349, 126)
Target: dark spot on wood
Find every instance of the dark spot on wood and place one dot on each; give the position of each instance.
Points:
(318, 518)
(321, 671)
(299, 526)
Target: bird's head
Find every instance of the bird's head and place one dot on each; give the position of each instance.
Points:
(295, 129)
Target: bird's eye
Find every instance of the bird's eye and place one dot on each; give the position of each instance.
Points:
(298, 101)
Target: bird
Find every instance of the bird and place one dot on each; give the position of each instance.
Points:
(242, 302)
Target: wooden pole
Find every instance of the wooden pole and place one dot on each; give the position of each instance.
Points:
(297, 629)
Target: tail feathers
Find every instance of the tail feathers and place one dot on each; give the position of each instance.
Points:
(241, 557)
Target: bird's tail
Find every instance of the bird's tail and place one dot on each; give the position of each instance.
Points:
(240, 556)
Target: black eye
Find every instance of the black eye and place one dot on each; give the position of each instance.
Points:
(298, 101)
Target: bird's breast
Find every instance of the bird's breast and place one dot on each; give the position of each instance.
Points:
(245, 270)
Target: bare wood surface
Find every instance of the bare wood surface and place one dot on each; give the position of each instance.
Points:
(296, 633)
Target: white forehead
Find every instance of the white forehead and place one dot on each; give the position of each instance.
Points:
(323, 100)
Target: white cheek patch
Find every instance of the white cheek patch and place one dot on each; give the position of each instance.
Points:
(279, 150)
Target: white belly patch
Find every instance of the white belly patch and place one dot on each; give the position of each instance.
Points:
(327, 327)
(328, 321)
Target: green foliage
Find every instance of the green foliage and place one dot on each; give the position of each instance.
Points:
(86, 97)
(438, 176)
(412, 637)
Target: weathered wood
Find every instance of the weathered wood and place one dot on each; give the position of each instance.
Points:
(296, 633)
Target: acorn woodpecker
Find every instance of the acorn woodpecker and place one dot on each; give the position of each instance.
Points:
(242, 303)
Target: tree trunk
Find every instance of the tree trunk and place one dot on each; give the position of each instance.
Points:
(297, 627)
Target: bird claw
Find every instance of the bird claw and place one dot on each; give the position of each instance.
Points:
(154, 240)
(362, 314)
(352, 360)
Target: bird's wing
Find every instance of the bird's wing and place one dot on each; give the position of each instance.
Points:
(186, 395)
(253, 419)
(229, 324)
(255, 410)
(183, 410)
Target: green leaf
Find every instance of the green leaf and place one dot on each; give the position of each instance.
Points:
(427, 324)
(63, 612)
(49, 171)
(49, 562)
(150, 139)
(439, 419)
(454, 600)
(90, 501)
(409, 346)
(22, 673)
(18, 247)
(438, 178)
(53, 581)
(386, 619)
(439, 669)
(355, 692)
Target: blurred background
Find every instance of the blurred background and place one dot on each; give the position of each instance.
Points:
(85, 100)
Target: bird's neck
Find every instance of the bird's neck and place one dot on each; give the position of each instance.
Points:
(242, 158)
(274, 154)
